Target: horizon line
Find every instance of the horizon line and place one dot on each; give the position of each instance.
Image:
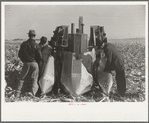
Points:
(39, 38)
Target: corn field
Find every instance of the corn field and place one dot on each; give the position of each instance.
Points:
(134, 54)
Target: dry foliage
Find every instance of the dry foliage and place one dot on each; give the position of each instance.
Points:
(134, 54)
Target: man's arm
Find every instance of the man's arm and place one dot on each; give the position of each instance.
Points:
(20, 54)
(38, 55)
(108, 54)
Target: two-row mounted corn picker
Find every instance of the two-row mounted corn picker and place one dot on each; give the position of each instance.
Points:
(75, 56)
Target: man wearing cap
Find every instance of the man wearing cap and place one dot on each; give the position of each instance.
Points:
(43, 42)
(46, 52)
(115, 61)
(30, 55)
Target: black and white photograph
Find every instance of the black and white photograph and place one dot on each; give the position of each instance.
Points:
(89, 57)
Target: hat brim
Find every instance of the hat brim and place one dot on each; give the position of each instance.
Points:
(32, 34)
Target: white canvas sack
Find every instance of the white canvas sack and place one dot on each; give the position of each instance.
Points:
(47, 80)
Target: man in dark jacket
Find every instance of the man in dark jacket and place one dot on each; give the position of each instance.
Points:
(30, 55)
(57, 53)
(115, 61)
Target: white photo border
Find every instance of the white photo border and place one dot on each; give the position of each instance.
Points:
(106, 111)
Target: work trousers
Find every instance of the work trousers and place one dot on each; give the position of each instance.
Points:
(120, 76)
(29, 73)
(121, 81)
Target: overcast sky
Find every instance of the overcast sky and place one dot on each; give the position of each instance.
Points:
(119, 21)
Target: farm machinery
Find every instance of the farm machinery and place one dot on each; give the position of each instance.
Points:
(74, 57)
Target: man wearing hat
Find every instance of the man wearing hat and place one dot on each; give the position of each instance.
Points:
(115, 61)
(30, 55)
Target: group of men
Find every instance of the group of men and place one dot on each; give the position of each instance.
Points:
(34, 56)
